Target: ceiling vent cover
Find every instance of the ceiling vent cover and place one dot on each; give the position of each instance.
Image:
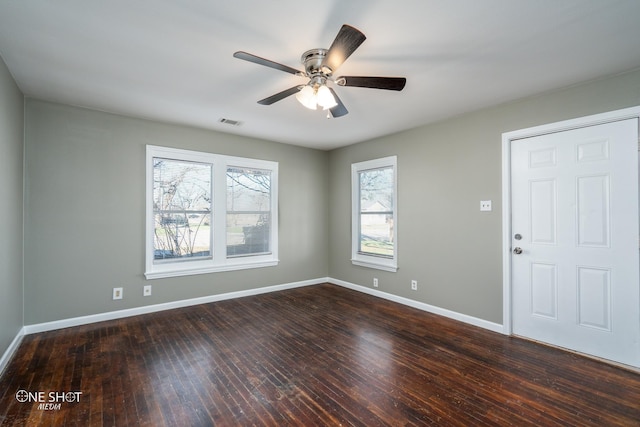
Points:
(230, 122)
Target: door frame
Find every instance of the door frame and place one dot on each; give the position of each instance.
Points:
(507, 138)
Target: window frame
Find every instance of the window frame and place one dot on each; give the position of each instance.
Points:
(360, 258)
(254, 212)
(218, 261)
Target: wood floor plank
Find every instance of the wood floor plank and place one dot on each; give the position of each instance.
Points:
(318, 355)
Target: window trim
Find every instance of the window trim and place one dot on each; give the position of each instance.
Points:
(219, 261)
(358, 258)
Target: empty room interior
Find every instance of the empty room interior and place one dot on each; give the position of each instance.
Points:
(336, 213)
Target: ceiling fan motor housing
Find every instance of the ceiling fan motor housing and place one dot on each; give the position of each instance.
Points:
(312, 60)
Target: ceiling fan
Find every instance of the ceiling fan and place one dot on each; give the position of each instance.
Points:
(319, 66)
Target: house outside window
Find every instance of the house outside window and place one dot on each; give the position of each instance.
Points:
(208, 212)
(374, 214)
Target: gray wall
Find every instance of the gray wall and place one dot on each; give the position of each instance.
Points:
(444, 170)
(84, 212)
(11, 166)
(84, 205)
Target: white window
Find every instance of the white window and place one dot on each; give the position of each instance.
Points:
(208, 212)
(374, 214)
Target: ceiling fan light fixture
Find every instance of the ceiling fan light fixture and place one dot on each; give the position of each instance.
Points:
(307, 97)
(325, 98)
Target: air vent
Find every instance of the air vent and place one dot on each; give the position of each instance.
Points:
(230, 122)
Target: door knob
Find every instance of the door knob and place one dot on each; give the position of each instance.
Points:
(517, 251)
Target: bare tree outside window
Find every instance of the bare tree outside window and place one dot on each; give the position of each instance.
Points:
(182, 209)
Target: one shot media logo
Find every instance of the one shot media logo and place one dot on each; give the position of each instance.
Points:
(48, 401)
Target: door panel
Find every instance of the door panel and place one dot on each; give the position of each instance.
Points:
(576, 281)
(542, 211)
(594, 296)
(544, 290)
(593, 211)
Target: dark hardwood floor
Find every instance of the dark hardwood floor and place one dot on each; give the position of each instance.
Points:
(318, 355)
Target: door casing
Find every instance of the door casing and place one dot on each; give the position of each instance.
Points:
(612, 116)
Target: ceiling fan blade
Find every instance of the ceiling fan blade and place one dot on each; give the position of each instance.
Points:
(339, 110)
(345, 43)
(266, 62)
(388, 83)
(279, 96)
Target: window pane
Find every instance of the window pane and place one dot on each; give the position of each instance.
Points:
(248, 211)
(248, 190)
(376, 212)
(376, 190)
(376, 234)
(182, 209)
(182, 236)
(179, 185)
(248, 234)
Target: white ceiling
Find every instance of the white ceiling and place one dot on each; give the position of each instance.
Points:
(171, 60)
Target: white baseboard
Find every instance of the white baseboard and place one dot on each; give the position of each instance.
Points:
(8, 354)
(495, 327)
(100, 317)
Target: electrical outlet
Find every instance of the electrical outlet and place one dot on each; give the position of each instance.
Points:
(146, 291)
(375, 282)
(485, 205)
(117, 293)
(414, 285)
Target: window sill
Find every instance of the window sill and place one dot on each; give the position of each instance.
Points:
(378, 266)
(174, 271)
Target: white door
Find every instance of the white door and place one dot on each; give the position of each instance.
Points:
(575, 270)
